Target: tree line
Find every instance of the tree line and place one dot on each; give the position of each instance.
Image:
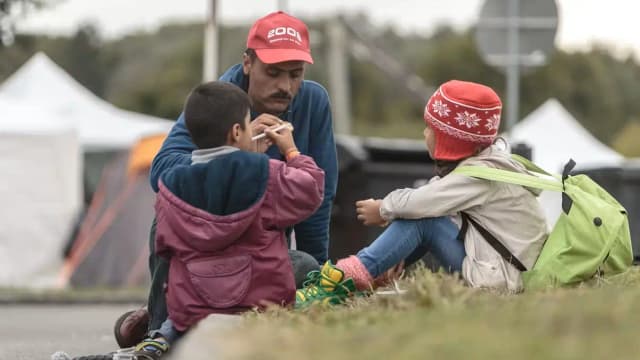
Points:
(153, 72)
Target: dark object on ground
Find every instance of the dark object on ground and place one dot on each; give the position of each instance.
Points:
(131, 328)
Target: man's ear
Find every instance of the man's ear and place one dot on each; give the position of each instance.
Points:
(246, 64)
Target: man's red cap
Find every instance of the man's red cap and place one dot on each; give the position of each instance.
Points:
(280, 37)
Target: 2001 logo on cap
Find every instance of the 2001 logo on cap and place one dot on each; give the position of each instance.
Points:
(282, 30)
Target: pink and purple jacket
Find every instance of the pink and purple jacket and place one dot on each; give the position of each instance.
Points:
(221, 225)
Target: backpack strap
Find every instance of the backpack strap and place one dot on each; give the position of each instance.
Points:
(495, 243)
(510, 177)
(529, 165)
(463, 227)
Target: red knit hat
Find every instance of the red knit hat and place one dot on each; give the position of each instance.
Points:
(280, 37)
(464, 116)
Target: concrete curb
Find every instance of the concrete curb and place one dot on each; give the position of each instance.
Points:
(206, 339)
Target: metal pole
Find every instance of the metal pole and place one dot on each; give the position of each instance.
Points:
(513, 66)
(210, 57)
(339, 76)
(282, 5)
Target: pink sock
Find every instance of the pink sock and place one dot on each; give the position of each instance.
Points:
(353, 268)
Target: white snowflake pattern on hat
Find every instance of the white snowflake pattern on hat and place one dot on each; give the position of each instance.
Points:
(440, 108)
(470, 120)
(493, 122)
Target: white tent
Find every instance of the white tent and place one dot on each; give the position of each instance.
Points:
(100, 125)
(41, 171)
(47, 122)
(556, 136)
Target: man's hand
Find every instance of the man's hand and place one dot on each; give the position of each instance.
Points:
(258, 125)
(369, 212)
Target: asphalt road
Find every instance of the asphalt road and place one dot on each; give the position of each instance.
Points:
(35, 332)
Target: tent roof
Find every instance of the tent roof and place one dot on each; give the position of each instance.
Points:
(45, 85)
(18, 117)
(556, 136)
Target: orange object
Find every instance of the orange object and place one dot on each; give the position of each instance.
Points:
(291, 153)
(143, 152)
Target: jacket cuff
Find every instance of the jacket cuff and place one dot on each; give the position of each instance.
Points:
(385, 211)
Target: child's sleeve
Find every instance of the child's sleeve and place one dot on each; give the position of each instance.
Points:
(298, 190)
(446, 196)
(176, 150)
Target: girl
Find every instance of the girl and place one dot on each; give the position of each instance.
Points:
(446, 216)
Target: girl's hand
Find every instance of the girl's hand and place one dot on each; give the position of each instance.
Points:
(369, 212)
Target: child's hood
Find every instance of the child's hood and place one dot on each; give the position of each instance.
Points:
(496, 157)
(212, 204)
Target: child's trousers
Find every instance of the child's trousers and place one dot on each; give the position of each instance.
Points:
(411, 239)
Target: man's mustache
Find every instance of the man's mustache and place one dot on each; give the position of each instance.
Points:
(282, 95)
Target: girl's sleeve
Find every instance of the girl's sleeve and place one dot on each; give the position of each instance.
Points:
(446, 196)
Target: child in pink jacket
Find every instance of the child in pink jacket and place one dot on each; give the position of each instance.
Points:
(221, 220)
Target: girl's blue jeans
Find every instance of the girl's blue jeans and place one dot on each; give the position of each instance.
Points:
(409, 240)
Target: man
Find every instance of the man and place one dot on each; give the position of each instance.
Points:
(272, 74)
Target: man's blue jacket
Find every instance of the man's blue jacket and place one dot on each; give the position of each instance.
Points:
(310, 114)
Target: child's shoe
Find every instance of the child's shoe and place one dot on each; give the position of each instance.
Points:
(150, 349)
(326, 287)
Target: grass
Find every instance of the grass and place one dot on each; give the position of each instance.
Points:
(73, 296)
(440, 318)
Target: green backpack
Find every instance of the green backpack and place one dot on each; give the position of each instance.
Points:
(591, 236)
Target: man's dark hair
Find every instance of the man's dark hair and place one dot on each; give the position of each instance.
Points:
(211, 111)
(251, 54)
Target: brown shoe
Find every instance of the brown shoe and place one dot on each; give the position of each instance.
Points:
(132, 327)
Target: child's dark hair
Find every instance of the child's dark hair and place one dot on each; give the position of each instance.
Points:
(211, 111)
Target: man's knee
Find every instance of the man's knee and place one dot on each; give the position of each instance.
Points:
(302, 264)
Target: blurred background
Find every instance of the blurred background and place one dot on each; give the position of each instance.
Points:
(106, 79)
